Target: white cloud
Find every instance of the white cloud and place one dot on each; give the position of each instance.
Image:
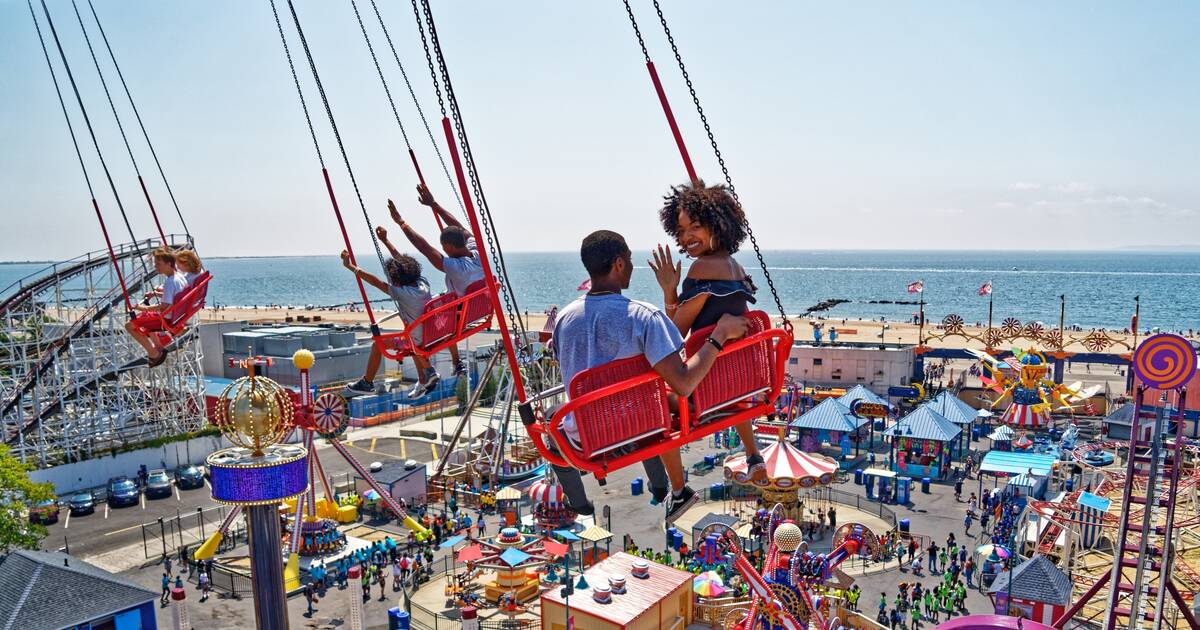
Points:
(1005, 204)
(1026, 186)
(1072, 188)
(949, 211)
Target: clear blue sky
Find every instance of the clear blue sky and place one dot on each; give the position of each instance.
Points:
(1067, 125)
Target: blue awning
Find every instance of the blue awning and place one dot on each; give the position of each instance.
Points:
(924, 424)
(829, 415)
(451, 541)
(1011, 463)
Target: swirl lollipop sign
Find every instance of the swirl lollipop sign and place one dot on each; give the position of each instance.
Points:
(329, 415)
(1164, 361)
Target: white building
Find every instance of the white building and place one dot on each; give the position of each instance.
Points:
(846, 366)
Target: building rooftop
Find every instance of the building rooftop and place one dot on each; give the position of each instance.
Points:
(924, 424)
(51, 591)
(1036, 580)
(641, 594)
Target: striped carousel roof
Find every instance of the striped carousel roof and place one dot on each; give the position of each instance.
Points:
(1026, 415)
(787, 467)
(543, 491)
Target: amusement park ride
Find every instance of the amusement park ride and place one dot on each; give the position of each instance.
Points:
(1033, 395)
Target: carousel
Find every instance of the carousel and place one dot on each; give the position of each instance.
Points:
(549, 510)
(789, 470)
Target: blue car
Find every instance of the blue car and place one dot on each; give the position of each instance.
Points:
(82, 503)
(122, 491)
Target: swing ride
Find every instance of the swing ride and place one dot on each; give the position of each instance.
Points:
(75, 383)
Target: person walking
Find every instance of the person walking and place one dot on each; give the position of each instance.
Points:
(967, 522)
(310, 593)
(202, 581)
(931, 553)
(166, 588)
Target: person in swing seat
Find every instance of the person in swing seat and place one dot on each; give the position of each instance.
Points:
(708, 225)
(603, 326)
(410, 290)
(149, 319)
(459, 258)
(189, 265)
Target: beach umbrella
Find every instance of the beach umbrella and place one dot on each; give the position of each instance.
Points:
(994, 553)
(708, 584)
(371, 495)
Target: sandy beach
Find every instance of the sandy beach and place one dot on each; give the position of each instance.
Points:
(848, 330)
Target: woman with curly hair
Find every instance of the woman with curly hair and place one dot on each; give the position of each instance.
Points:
(708, 225)
(410, 290)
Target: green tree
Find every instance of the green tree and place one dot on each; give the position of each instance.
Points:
(17, 494)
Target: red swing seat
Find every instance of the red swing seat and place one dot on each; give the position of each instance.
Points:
(622, 408)
(446, 320)
(173, 321)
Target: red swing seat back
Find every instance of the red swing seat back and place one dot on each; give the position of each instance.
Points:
(738, 377)
(626, 414)
(445, 320)
(175, 319)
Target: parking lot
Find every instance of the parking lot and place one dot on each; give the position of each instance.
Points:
(120, 538)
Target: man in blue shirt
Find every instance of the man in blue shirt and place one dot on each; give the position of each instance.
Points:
(603, 326)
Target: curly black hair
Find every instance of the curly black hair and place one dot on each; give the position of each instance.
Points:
(402, 270)
(710, 206)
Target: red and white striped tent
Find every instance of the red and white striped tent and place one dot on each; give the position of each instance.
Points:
(787, 467)
(543, 491)
(1019, 415)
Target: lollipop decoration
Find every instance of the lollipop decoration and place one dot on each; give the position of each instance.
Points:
(329, 415)
(1164, 361)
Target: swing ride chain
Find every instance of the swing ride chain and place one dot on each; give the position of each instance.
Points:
(138, 116)
(295, 78)
(485, 212)
(420, 110)
(378, 69)
(437, 88)
(717, 151)
(104, 83)
(637, 31)
(336, 134)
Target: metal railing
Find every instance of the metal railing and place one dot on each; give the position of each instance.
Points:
(166, 536)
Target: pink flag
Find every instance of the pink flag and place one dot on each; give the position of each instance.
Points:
(585, 286)
(916, 287)
(986, 289)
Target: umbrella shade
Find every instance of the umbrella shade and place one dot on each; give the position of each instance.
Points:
(992, 550)
(712, 576)
(705, 585)
(469, 554)
(371, 495)
(508, 493)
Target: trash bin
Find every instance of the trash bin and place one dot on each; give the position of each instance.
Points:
(903, 488)
(398, 619)
(677, 540)
(717, 491)
(671, 531)
(1070, 485)
(858, 477)
(710, 460)
(869, 482)
(904, 525)
(976, 431)
(925, 481)
(635, 486)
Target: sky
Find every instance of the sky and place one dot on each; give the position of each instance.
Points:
(930, 125)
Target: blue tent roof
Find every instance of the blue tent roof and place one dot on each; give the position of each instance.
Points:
(1013, 463)
(829, 415)
(952, 408)
(924, 424)
(860, 392)
(513, 556)
(1089, 500)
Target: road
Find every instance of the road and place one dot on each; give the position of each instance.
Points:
(111, 529)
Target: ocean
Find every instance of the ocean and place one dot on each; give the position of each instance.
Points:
(1099, 286)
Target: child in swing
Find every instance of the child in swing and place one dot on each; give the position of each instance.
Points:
(410, 290)
(460, 260)
(149, 319)
(708, 225)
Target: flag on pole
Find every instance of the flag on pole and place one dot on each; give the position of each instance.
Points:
(986, 289)
(916, 287)
(585, 286)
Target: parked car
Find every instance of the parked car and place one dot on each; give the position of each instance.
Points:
(158, 484)
(122, 491)
(189, 477)
(82, 503)
(44, 513)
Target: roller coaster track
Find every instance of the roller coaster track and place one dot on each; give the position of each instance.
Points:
(46, 378)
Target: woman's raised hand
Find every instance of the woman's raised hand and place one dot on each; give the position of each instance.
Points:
(665, 269)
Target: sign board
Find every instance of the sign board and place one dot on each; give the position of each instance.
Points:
(912, 392)
(866, 409)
